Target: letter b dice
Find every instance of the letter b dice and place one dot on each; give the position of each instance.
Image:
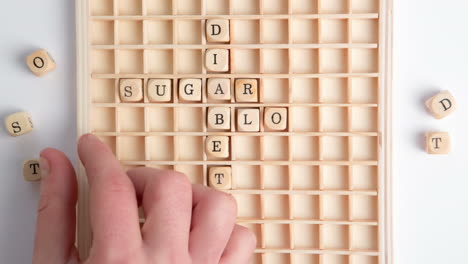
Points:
(19, 124)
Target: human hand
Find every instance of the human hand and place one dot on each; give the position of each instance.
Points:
(185, 223)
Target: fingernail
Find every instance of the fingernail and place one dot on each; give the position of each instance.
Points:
(44, 167)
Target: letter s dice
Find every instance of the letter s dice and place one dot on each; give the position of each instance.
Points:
(19, 124)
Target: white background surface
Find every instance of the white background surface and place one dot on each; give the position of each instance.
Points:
(430, 193)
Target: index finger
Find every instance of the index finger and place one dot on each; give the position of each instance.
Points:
(113, 204)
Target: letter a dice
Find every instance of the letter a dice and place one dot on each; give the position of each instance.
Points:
(19, 124)
(441, 105)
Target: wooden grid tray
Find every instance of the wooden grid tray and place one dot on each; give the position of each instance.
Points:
(317, 192)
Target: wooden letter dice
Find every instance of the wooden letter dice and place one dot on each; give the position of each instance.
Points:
(31, 170)
(220, 178)
(217, 30)
(438, 143)
(217, 147)
(190, 90)
(159, 90)
(441, 105)
(219, 118)
(19, 124)
(40, 62)
(219, 89)
(276, 118)
(217, 60)
(248, 120)
(246, 90)
(131, 90)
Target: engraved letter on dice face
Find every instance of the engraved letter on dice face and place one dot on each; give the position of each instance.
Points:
(217, 147)
(131, 90)
(248, 120)
(159, 90)
(190, 90)
(217, 60)
(276, 118)
(219, 118)
(246, 90)
(438, 143)
(31, 170)
(40, 62)
(219, 89)
(217, 30)
(441, 105)
(220, 178)
(19, 124)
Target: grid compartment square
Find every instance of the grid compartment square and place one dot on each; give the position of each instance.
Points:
(102, 32)
(130, 32)
(334, 7)
(245, 31)
(246, 147)
(131, 119)
(159, 61)
(275, 90)
(275, 31)
(103, 119)
(333, 61)
(365, 6)
(365, 178)
(304, 148)
(190, 148)
(358, 259)
(365, 148)
(160, 119)
(333, 90)
(364, 60)
(275, 7)
(246, 177)
(364, 237)
(335, 259)
(306, 258)
(189, 32)
(190, 119)
(364, 90)
(299, 114)
(304, 61)
(334, 119)
(245, 7)
(160, 148)
(131, 148)
(275, 177)
(306, 236)
(129, 7)
(159, 31)
(335, 178)
(158, 7)
(103, 90)
(275, 60)
(334, 207)
(304, 6)
(193, 172)
(102, 7)
(250, 208)
(364, 208)
(189, 61)
(276, 206)
(245, 61)
(111, 142)
(334, 237)
(334, 30)
(102, 61)
(275, 148)
(130, 61)
(305, 177)
(365, 31)
(276, 236)
(304, 31)
(189, 7)
(306, 207)
(217, 7)
(275, 258)
(334, 148)
(364, 119)
(305, 90)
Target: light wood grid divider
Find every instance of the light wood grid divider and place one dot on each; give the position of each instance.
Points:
(313, 193)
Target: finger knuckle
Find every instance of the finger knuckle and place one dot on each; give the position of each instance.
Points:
(248, 237)
(174, 181)
(119, 185)
(224, 201)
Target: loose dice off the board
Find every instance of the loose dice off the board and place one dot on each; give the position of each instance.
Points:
(19, 124)
(438, 143)
(441, 105)
(31, 170)
(40, 62)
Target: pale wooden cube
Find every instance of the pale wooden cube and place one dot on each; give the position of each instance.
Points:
(217, 147)
(19, 124)
(220, 178)
(190, 90)
(219, 89)
(219, 118)
(276, 118)
(217, 30)
(438, 143)
(441, 105)
(41, 62)
(248, 120)
(217, 60)
(31, 170)
(131, 90)
(246, 90)
(159, 90)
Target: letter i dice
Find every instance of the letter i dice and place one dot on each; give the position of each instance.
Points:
(19, 124)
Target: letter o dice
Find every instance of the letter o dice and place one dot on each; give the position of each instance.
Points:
(441, 105)
(19, 124)
(40, 62)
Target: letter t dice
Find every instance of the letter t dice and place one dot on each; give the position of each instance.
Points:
(19, 124)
